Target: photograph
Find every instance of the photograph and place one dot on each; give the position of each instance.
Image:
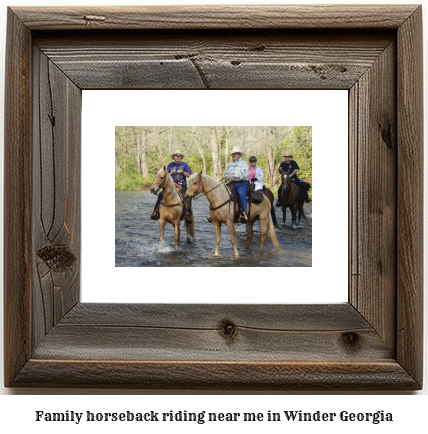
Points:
(213, 196)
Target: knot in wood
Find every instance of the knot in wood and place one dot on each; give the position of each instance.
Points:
(94, 18)
(351, 340)
(227, 329)
(58, 259)
(258, 48)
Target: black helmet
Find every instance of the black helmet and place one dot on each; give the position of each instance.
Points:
(253, 158)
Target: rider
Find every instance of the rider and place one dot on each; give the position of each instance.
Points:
(237, 173)
(290, 165)
(255, 174)
(179, 171)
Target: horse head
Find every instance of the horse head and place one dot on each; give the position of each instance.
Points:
(195, 184)
(285, 178)
(159, 181)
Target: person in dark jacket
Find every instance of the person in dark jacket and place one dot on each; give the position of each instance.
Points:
(290, 165)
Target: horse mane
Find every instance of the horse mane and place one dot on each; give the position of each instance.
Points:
(211, 179)
(205, 177)
(191, 178)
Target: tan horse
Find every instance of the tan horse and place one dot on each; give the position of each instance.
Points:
(221, 211)
(171, 207)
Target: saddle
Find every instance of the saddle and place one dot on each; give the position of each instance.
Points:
(254, 196)
(301, 185)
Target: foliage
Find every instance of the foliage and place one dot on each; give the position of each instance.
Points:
(152, 146)
(131, 181)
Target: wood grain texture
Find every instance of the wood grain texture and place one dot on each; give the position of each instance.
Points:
(372, 342)
(216, 375)
(56, 194)
(216, 60)
(17, 199)
(410, 193)
(199, 332)
(373, 164)
(217, 17)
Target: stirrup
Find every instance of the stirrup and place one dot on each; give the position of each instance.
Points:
(155, 215)
(243, 218)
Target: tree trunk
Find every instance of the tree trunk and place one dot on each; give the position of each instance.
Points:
(144, 159)
(136, 145)
(270, 152)
(200, 150)
(117, 168)
(226, 149)
(214, 151)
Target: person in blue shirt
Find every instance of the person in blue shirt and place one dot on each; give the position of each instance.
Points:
(237, 173)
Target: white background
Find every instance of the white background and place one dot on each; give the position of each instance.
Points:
(17, 412)
(325, 111)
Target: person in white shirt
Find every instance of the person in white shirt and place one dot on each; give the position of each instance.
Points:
(255, 174)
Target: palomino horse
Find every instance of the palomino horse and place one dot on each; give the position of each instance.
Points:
(292, 198)
(171, 207)
(221, 211)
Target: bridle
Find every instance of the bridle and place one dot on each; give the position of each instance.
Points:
(206, 192)
(161, 186)
(286, 185)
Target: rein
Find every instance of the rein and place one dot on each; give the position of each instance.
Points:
(174, 204)
(218, 207)
(204, 194)
(170, 206)
(224, 203)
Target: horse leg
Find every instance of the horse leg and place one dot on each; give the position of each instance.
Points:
(284, 214)
(294, 215)
(301, 211)
(177, 233)
(232, 237)
(217, 228)
(250, 233)
(263, 230)
(162, 223)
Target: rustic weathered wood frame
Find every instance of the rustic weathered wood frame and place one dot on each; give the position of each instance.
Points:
(372, 342)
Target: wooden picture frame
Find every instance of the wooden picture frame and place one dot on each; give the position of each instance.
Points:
(372, 342)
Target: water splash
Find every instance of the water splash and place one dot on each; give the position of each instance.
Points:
(146, 249)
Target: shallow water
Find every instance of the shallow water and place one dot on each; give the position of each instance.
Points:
(137, 239)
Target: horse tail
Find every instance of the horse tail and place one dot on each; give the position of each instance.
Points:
(303, 212)
(271, 233)
(273, 215)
